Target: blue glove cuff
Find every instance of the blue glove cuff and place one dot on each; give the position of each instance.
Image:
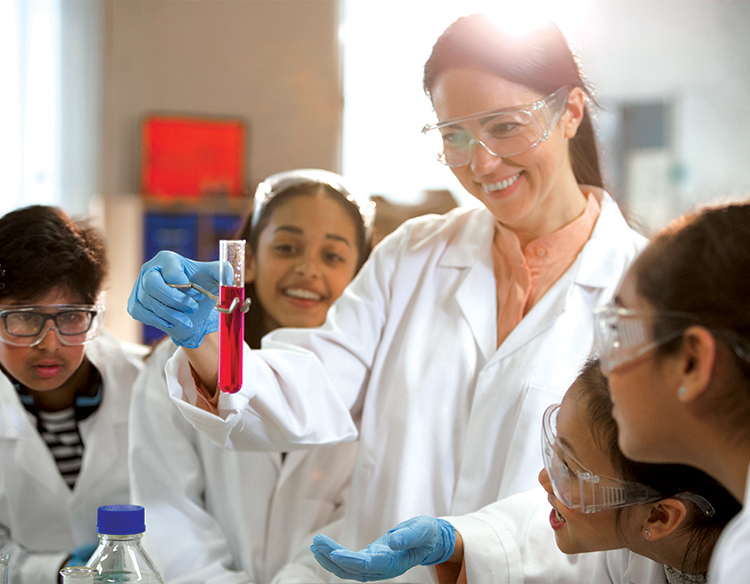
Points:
(447, 544)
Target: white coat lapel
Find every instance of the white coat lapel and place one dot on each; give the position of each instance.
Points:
(110, 431)
(476, 296)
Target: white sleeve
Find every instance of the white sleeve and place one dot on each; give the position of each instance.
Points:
(511, 541)
(306, 386)
(167, 478)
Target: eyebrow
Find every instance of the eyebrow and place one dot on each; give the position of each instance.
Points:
(299, 231)
(568, 446)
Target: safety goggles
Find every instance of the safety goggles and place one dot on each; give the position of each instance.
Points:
(577, 487)
(503, 132)
(26, 325)
(623, 334)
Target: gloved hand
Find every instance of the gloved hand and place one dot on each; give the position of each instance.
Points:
(417, 541)
(81, 555)
(186, 315)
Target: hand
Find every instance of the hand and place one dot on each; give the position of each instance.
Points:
(81, 555)
(185, 315)
(417, 541)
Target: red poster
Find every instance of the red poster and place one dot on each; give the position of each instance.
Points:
(193, 157)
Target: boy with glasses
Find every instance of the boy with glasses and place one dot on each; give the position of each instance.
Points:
(64, 394)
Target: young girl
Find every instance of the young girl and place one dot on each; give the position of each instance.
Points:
(665, 517)
(64, 394)
(214, 515)
(460, 330)
(675, 345)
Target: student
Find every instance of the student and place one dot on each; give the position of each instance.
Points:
(64, 394)
(657, 523)
(221, 516)
(460, 330)
(675, 346)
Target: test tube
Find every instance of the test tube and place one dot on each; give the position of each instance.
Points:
(78, 575)
(232, 324)
(4, 568)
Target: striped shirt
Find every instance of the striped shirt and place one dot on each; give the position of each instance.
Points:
(60, 429)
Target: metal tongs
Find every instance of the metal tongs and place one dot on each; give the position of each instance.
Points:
(217, 302)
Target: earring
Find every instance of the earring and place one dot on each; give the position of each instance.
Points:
(647, 533)
(681, 391)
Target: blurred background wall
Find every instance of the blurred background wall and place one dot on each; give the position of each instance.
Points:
(336, 84)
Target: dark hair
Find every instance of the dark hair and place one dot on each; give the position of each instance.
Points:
(254, 318)
(541, 60)
(699, 264)
(41, 249)
(668, 479)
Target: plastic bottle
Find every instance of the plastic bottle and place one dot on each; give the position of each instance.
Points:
(120, 557)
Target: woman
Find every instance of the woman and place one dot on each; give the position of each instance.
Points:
(675, 346)
(657, 523)
(460, 330)
(236, 515)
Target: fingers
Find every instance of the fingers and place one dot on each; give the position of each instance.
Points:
(321, 548)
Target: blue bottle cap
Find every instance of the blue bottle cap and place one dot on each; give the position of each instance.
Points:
(120, 519)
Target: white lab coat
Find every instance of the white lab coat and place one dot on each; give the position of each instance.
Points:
(408, 356)
(511, 542)
(43, 519)
(215, 516)
(731, 555)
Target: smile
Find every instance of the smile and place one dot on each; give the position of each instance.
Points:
(303, 294)
(503, 184)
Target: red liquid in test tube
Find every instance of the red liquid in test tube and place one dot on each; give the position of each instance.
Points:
(231, 325)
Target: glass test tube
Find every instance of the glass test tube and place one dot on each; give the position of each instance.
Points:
(231, 325)
(4, 568)
(78, 575)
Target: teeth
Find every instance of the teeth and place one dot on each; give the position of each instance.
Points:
(559, 517)
(504, 184)
(303, 294)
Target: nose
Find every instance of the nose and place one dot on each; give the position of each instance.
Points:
(307, 267)
(482, 160)
(48, 342)
(544, 481)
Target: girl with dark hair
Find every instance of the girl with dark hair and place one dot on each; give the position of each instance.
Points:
(651, 523)
(240, 514)
(460, 330)
(675, 346)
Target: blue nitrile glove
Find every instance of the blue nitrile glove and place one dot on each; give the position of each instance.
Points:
(417, 541)
(186, 315)
(81, 555)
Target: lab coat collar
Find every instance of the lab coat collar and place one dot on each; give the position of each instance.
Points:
(476, 295)
(598, 265)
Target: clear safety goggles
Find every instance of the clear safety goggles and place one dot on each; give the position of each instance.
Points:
(578, 488)
(281, 181)
(623, 334)
(26, 325)
(503, 132)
